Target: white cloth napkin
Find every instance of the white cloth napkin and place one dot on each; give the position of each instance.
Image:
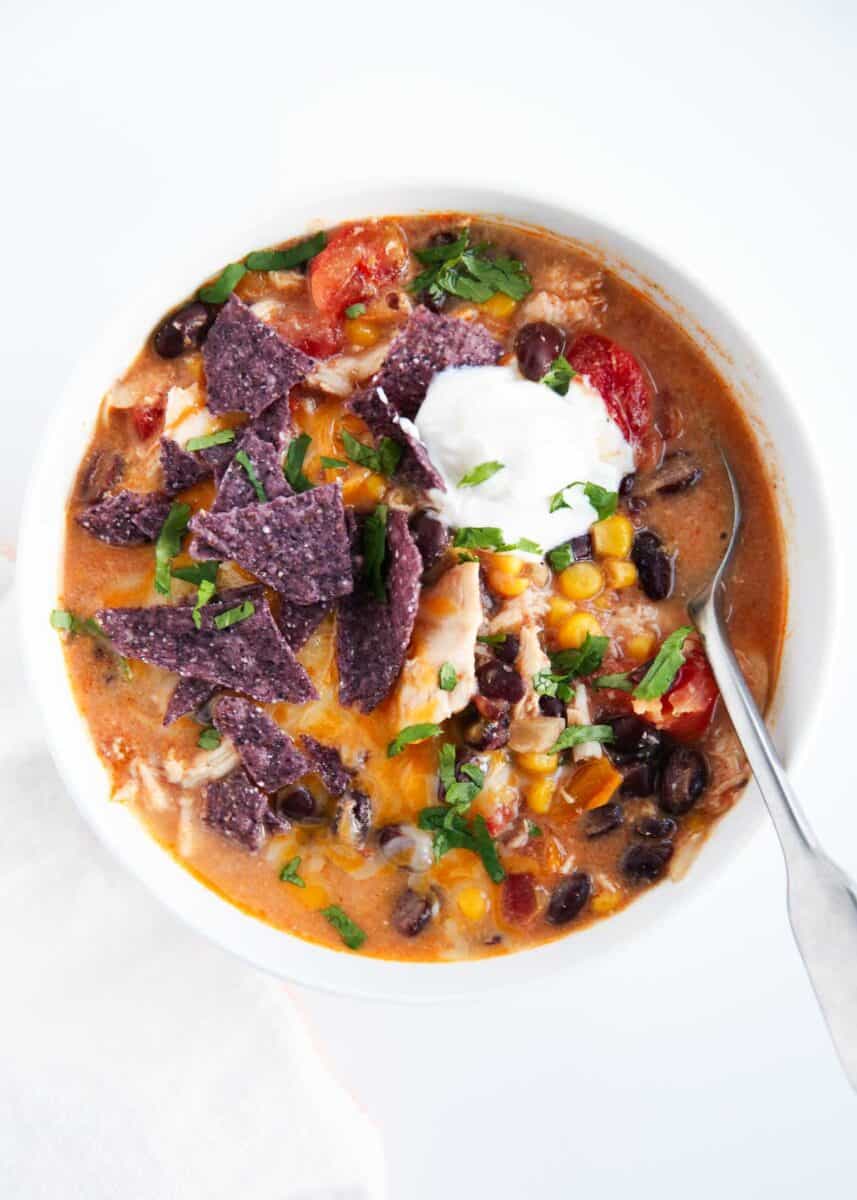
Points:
(136, 1060)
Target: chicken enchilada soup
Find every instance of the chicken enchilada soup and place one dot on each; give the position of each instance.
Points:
(375, 584)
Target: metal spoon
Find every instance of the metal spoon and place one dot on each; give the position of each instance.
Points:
(822, 900)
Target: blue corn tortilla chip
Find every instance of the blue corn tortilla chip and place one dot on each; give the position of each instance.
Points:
(274, 425)
(269, 755)
(325, 762)
(429, 343)
(126, 518)
(236, 808)
(236, 490)
(415, 467)
(372, 636)
(296, 544)
(298, 621)
(181, 469)
(189, 695)
(248, 365)
(250, 656)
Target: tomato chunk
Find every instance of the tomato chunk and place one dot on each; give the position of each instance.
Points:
(688, 706)
(311, 331)
(148, 418)
(616, 374)
(356, 263)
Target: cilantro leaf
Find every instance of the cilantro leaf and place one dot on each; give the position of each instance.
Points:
(351, 933)
(446, 764)
(197, 572)
(447, 677)
(355, 310)
(333, 464)
(382, 461)
(289, 872)
(233, 616)
(547, 684)
(220, 437)
(62, 619)
(409, 735)
(480, 473)
(293, 468)
(492, 639)
(284, 260)
(209, 738)
(207, 589)
(533, 830)
(375, 551)
(168, 545)
(576, 735)
(620, 682)
(558, 376)
(243, 460)
(462, 270)
(603, 501)
(582, 661)
(661, 674)
(486, 848)
(223, 286)
(561, 557)
(489, 537)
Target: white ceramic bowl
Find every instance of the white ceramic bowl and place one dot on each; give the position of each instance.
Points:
(807, 521)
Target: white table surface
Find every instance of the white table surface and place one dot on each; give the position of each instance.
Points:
(695, 1063)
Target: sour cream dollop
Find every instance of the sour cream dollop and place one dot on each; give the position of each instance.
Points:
(474, 415)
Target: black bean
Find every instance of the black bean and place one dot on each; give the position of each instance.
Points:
(434, 301)
(536, 346)
(185, 329)
(627, 484)
(679, 472)
(299, 805)
(603, 819)
(498, 681)
(634, 739)
(639, 778)
(684, 779)
(444, 238)
(581, 547)
(644, 862)
(430, 535)
(551, 706)
(411, 913)
(568, 898)
(660, 829)
(655, 567)
(507, 650)
(353, 818)
(489, 735)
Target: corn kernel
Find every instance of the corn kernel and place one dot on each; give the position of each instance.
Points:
(641, 646)
(472, 902)
(313, 896)
(613, 537)
(573, 632)
(580, 581)
(593, 783)
(619, 573)
(499, 306)
(362, 333)
(539, 764)
(506, 585)
(558, 609)
(604, 902)
(540, 794)
(506, 564)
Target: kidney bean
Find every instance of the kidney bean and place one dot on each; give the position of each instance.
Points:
(569, 898)
(684, 779)
(645, 862)
(659, 829)
(536, 346)
(655, 567)
(519, 896)
(498, 681)
(411, 913)
(603, 819)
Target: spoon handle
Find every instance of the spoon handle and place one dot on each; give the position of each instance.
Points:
(822, 900)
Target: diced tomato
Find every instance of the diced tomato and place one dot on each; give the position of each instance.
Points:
(311, 332)
(148, 418)
(688, 706)
(356, 264)
(519, 897)
(617, 375)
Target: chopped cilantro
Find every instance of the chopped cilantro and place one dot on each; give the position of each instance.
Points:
(603, 501)
(547, 684)
(168, 545)
(533, 830)
(492, 639)
(61, 618)
(480, 473)
(289, 872)
(333, 464)
(207, 588)
(620, 682)
(355, 310)
(67, 622)
(243, 459)
(561, 557)
(383, 461)
(209, 738)
(233, 616)
(661, 674)
(223, 286)
(576, 735)
(447, 677)
(220, 437)
(351, 934)
(293, 468)
(582, 661)
(284, 260)
(375, 550)
(558, 376)
(198, 572)
(459, 269)
(489, 537)
(409, 735)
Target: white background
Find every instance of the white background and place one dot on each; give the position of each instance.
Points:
(695, 1062)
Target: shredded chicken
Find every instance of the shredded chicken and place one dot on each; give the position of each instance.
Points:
(528, 608)
(150, 790)
(578, 712)
(339, 376)
(570, 301)
(448, 621)
(530, 731)
(202, 768)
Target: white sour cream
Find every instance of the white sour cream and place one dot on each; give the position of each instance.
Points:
(473, 415)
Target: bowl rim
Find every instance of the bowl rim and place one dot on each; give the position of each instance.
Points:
(70, 424)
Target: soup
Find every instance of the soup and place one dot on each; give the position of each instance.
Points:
(375, 585)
